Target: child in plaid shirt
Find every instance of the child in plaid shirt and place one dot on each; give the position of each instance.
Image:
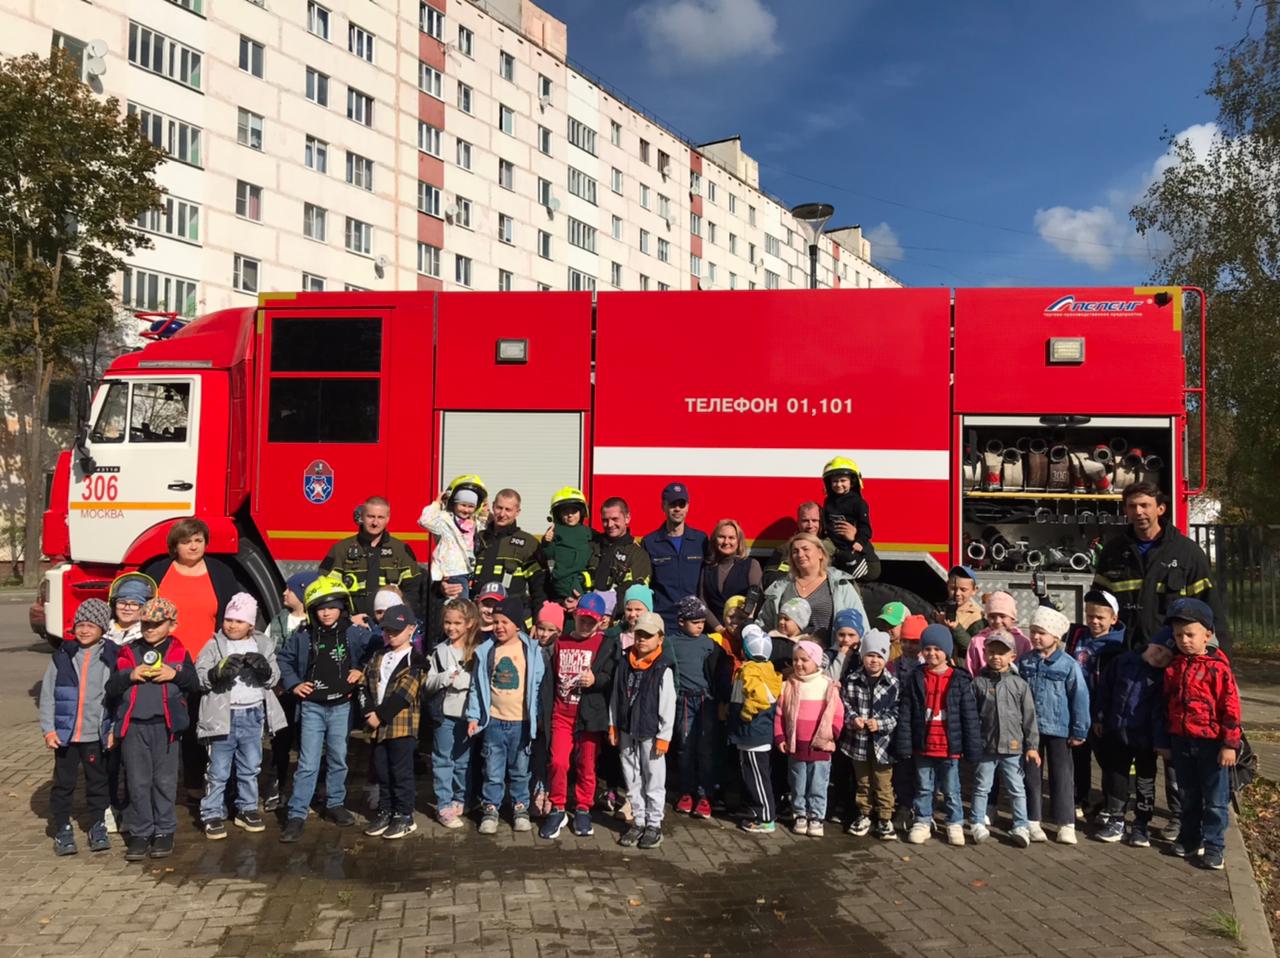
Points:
(871, 714)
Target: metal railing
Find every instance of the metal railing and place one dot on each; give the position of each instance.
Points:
(1246, 567)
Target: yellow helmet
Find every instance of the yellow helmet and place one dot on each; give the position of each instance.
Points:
(568, 496)
(471, 482)
(841, 466)
(327, 588)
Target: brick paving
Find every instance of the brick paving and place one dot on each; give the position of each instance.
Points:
(709, 890)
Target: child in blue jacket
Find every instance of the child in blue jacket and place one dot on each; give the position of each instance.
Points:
(1062, 714)
(1094, 644)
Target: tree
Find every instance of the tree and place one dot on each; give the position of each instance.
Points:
(1220, 214)
(74, 175)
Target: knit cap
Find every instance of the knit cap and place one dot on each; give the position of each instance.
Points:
(511, 608)
(242, 607)
(386, 599)
(1050, 620)
(95, 612)
(798, 611)
(938, 636)
(552, 613)
(610, 600)
(849, 619)
(1001, 603)
(876, 642)
(298, 582)
(639, 593)
(691, 609)
(755, 643)
(812, 649)
(158, 609)
(466, 495)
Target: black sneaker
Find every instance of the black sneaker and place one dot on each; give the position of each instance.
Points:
(341, 816)
(631, 836)
(1213, 858)
(552, 826)
(64, 840)
(215, 829)
(1138, 836)
(292, 830)
(162, 846)
(582, 823)
(380, 823)
(651, 838)
(884, 831)
(271, 802)
(250, 820)
(99, 840)
(135, 848)
(402, 826)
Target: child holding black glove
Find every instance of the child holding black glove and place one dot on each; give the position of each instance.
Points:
(237, 669)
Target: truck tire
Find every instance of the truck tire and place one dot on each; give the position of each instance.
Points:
(877, 594)
(259, 574)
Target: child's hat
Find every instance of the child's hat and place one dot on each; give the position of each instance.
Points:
(650, 624)
(1190, 610)
(1050, 620)
(1164, 639)
(158, 610)
(242, 607)
(939, 637)
(1001, 603)
(798, 611)
(999, 638)
(591, 604)
(876, 642)
(755, 643)
(639, 593)
(732, 603)
(298, 582)
(893, 613)
(492, 590)
(95, 612)
(913, 627)
(962, 572)
(468, 496)
(812, 649)
(551, 613)
(386, 599)
(512, 608)
(610, 600)
(399, 618)
(849, 619)
(134, 589)
(691, 609)
(1102, 597)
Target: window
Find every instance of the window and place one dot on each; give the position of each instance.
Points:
(771, 279)
(790, 238)
(146, 289)
(664, 251)
(430, 80)
(544, 87)
(156, 53)
(615, 274)
(466, 40)
(695, 184)
(429, 260)
(582, 136)
(360, 171)
(615, 133)
(733, 203)
(711, 192)
(73, 50)
(733, 280)
(463, 218)
(644, 282)
(711, 272)
(644, 242)
(505, 280)
(507, 120)
(544, 192)
(462, 270)
(176, 137)
(544, 140)
(306, 407)
(581, 235)
(314, 222)
(248, 129)
(464, 154)
(544, 244)
(431, 22)
(316, 154)
(317, 20)
(245, 274)
(464, 97)
(175, 218)
(353, 288)
(428, 198)
(543, 288)
(664, 206)
(360, 42)
(506, 229)
(248, 200)
(771, 245)
(663, 287)
(751, 253)
(359, 107)
(251, 56)
(580, 281)
(733, 244)
(644, 196)
(359, 236)
(616, 228)
(506, 66)
(311, 283)
(195, 6)
(506, 174)
(644, 151)
(428, 138)
(582, 186)
(695, 224)
(615, 180)
(317, 87)
(711, 232)
(159, 413)
(751, 215)
(664, 163)
(695, 264)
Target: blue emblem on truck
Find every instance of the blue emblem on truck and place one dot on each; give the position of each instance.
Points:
(317, 482)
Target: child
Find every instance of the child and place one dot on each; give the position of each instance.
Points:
(153, 678)
(127, 595)
(1128, 711)
(610, 599)
(237, 670)
(807, 722)
(1094, 644)
(287, 619)
(870, 696)
(642, 711)
(487, 600)
(889, 620)
(1062, 715)
(567, 546)
(321, 664)
(503, 703)
(846, 633)
(389, 700)
(962, 613)
(1002, 616)
(752, 706)
(793, 619)
(1007, 715)
(447, 685)
(1203, 730)
(76, 723)
(547, 626)
(582, 665)
(697, 660)
(637, 600)
(454, 519)
(848, 520)
(937, 724)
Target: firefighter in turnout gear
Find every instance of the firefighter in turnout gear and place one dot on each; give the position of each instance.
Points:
(619, 561)
(507, 554)
(373, 558)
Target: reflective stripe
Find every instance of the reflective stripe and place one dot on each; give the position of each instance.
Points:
(1124, 585)
(1197, 587)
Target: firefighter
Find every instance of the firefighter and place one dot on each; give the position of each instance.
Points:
(676, 552)
(373, 558)
(620, 561)
(808, 519)
(506, 553)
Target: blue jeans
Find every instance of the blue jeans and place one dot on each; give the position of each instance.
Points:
(243, 744)
(450, 760)
(1206, 790)
(938, 774)
(462, 580)
(984, 774)
(321, 728)
(506, 763)
(809, 782)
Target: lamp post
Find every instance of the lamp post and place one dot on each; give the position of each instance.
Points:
(813, 216)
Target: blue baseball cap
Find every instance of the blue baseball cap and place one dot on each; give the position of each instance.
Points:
(675, 492)
(1190, 610)
(962, 572)
(591, 604)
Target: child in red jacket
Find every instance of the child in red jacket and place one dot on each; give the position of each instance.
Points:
(1203, 725)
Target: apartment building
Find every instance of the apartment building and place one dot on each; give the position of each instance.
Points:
(331, 144)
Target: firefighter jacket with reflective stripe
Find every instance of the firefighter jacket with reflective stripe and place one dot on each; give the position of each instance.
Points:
(618, 564)
(509, 555)
(1173, 568)
(365, 568)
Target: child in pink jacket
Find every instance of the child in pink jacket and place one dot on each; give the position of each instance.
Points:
(806, 727)
(1002, 616)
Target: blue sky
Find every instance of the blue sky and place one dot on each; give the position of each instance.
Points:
(1039, 120)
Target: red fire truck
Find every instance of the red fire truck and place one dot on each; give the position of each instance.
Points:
(993, 426)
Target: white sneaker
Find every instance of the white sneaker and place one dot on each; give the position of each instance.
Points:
(979, 833)
(1036, 832)
(1021, 837)
(955, 834)
(1066, 835)
(919, 833)
(109, 819)
(801, 827)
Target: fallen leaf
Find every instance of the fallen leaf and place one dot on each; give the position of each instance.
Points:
(169, 869)
(634, 902)
(759, 901)
(666, 917)
(45, 921)
(906, 858)
(779, 914)
(977, 883)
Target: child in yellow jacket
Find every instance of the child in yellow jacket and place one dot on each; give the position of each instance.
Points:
(751, 713)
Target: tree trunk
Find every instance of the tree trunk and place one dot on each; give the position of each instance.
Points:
(33, 470)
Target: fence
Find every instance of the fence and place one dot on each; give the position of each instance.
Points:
(1246, 561)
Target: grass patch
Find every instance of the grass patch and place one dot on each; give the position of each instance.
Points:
(1259, 823)
(1224, 924)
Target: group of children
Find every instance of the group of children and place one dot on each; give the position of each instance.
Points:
(513, 713)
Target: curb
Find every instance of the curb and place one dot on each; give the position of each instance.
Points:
(1255, 933)
(17, 595)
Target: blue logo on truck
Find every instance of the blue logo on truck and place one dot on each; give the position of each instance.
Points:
(1069, 304)
(317, 482)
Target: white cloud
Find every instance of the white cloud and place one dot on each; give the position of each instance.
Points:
(697, 33)
(885, 247)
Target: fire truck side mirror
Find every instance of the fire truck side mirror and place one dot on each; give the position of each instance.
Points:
(86, 462)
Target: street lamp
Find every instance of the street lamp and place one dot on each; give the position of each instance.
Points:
(813, 216)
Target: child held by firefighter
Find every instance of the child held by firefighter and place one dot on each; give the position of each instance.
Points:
(454, 519)
(567, 547)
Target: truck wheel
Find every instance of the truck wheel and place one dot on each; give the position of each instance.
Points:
(876, 594)
(259, 573)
